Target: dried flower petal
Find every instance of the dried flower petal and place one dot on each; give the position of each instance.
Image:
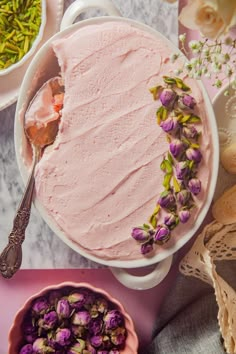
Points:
(184, 216)
(183, 197)
(181, 169)
(170, 220)
(77, 348)
(176, 147)
(194, 186)
(27, 349)
(169, 125)
(162, 234)
(40, 306)
(147, 247)
(49, 320)
(167, 200)
(118, 336)
(63, 336)
(81, 318)
(113, 319)
(167, 97)
(194, 155)
(190, 132)
(63, 308)
(140, 234)
(186, 102)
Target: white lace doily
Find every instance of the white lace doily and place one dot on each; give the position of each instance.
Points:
(217, 242)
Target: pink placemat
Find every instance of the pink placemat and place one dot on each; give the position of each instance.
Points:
(143, 306)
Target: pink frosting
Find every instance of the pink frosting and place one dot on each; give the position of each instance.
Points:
(102, 176)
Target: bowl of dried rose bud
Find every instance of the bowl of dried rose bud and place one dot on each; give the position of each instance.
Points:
(22, 24)
(72, 318)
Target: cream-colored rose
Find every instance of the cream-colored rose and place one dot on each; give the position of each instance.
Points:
(211, 17)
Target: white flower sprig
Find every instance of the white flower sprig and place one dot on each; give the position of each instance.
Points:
(213, 59)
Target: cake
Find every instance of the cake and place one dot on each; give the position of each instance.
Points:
(101, 178)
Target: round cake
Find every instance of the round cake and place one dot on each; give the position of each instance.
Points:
(103, 179)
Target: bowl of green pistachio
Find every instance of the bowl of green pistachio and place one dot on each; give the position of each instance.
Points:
(22, 24)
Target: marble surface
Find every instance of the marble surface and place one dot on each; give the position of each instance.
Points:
(42, 248)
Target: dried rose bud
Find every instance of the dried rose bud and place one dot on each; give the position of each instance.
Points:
(27, 349)
(40, 346)
(194, 154)
(146, 247)
(77, 300)
(63, 336)
(77, 348)
(63, 308)
(166, 200)
(48, 321)
(53, 297)
(169, 124)
(102, 305)
(113, 319)
(78, 331)
(167, 97)
(81, 318)
(140, 234)
(30, 331)
(96, 341)
(184, 215)
(102, 352)
(194, 186)
(114, 351)
(170, 220)
(40, 306)
(95, 326)
(190, 132)
(162, 234)
(176, 147)
(183, 197)
(181, 169)
(90, 349)
(118, 336)
(186, 101)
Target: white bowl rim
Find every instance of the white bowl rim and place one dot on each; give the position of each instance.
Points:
(128, 319)
(142, 262)
(34, 45)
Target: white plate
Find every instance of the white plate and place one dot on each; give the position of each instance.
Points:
(225, 112)
(10, 84)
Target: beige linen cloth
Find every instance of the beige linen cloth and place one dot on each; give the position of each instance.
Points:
(216, 244)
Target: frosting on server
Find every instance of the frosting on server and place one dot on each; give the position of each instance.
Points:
(102, 175)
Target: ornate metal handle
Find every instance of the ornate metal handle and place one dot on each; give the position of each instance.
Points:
(11, 257)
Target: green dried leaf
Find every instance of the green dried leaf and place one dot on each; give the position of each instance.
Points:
(194, 119)
(153, 221)
(169, 80)
(155, 91)
(166, 166)
(161, 114)
(181, 85)
(166, 182)
(195, 146)
(170, 158)
(176, 185)
(185, 118)
(146, 226)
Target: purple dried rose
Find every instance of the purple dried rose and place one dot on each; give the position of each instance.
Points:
(81, 318)
(41, 346)
(167, 200)
(96, 341)
(77, 299)
(113, 319)
(186, 101)
(147, 247)
(184, 216)
(63, 336)
(48, 321)
(78, 331)
(183, 197)
(190, 132)
(194, 186)
(194, 155)
(140, 234)
(181, 169)
(63, 308)
(176, 147)
(40, 306)
(95, 326)
(101, 304)
(53, 297)
(90, 349)
(114, 351)
(162, 234)
(170, 220)
(167, 97)
(102, 352)
(169, 124)
(30, 331)
(27, 349)
(77, 348)
(118, 336)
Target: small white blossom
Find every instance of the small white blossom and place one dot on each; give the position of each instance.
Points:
(174, 57)
(228, 41)
(177, 72)
(188, 66)
(182, 37)
(228, 71)
(208, 75)
(216, 67)
(195, 46)
(218, 83)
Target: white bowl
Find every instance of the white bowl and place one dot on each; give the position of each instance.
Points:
(34, 45)
(44, 66)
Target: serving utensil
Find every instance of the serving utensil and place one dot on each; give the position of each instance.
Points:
(39, 137)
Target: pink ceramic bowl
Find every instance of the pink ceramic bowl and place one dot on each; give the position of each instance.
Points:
(15, 334)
